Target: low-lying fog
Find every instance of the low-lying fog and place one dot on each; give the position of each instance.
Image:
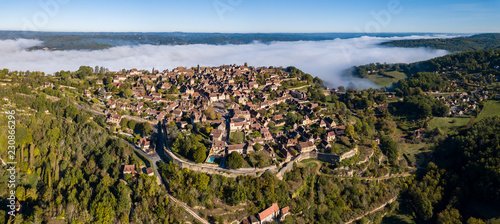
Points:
(325, 59)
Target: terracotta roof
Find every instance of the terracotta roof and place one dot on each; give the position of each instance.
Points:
(219, 144)
(285, 210)
(306, 144)
(129, 168)
(253, 219)
(235, 147)
(269, 211)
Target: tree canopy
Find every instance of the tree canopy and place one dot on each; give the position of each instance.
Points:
(234, 160)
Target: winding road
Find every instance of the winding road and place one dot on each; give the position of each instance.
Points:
(154, 158)
(241, 171)
(161, 149)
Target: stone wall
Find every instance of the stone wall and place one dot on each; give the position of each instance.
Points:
(325, 157)
(349, 154)
(213, 169)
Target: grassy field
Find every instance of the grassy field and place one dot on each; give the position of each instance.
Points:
(303, 89)
(492, 108)
(386, 79)
(236, 137)
(403, 215)
(415, 153)
(448, 124)
(310, 162)
(298, 191)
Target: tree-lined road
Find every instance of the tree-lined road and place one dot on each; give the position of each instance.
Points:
(160, 140)
(154, 158)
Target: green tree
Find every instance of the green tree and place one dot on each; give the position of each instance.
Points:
(106, 161)
(127, 93)
(473, 220)
(3, 216)
(257, 147)
(390, 148)
(131, 124)
(200, 154)
(82, 117)
(449, 216)
(234, 160)
(238, 195)
(83, 72)
(236, 137)
(349, 130)
(123, 123)
(21, 193)
(144, 127)
(210, 113)
(425, 208)
(201, 182)
(71, 111)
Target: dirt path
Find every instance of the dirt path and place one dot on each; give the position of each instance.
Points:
(300, 87)
(366, 159)
(318, 166)
(372, 211)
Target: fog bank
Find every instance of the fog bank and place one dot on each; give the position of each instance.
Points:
(325, 59)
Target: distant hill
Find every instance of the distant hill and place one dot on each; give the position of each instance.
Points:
(467, 64)
(94, 41)
(486, 41)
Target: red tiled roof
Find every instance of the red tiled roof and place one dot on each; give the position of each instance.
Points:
(128, 168)
(285, 210)
(269, 211)
(235, 147)
(219, 144)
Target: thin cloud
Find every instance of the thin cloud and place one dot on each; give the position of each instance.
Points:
(325, 59)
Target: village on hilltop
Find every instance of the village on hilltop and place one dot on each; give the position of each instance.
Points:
(234, 107)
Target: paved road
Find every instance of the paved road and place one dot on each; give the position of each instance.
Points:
(241, 171)
(159, 151)
(154, 158)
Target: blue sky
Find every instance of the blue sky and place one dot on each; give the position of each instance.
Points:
(444, 16)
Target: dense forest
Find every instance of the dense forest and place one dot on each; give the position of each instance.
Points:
(466, 62)
(71, 169)
(465, 175)
(485, 41)
(317, 198)
(470, 69)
